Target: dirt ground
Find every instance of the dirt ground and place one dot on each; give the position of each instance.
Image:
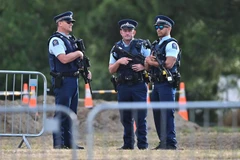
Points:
(106, 121)
(110, 119)
(206, 143)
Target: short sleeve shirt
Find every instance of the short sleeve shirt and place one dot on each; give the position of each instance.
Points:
(57, 46)
(172, 48)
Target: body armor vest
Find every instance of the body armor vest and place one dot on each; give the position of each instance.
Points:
(125, 72)
(161, 50)
(55, 64)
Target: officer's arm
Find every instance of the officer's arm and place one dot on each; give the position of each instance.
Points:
(146, 52)
(113, 67)
(146, 65)
(170, 61)
(172, 50)
(66, 58)
(150, 61)
(57, 48)
(114, 64)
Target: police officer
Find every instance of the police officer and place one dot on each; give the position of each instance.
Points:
(131, 86)
(63, 59)
(166, 49)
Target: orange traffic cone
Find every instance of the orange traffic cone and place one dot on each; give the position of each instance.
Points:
(25, 98)
(134, 126)
(88, 102)
(33, 98)
(182, 100)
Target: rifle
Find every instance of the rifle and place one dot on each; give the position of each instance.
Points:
(161, 66)
(136, 58)
(84, 63)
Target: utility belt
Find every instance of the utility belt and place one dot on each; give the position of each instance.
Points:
(65, 74)
(129, 79)
(160, 78)
(157, 78)
(59, 77)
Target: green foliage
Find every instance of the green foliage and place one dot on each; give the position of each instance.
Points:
(206, 31)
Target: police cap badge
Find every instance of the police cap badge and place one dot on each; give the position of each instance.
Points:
(127, 23)
(161, 19)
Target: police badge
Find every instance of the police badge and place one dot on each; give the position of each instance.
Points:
(55, 42)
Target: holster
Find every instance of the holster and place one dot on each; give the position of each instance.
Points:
(58, 82)
(176, 77)
(114, 82)
(58, 79)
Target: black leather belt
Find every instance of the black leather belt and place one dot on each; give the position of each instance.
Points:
(131, 82)
(70, 74)
(65, 74)
(130, 79)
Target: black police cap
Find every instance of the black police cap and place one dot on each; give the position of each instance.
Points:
(164, 20)
(127, 23)
(67, 16)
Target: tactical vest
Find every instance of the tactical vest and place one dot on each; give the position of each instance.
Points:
(125, 72)
(55, 64)
(162, 57)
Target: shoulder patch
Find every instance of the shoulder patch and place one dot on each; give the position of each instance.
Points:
(174, 45)
(55, 42)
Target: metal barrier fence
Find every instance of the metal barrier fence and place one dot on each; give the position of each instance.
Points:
(194, 141)
(104, 134)
(21, 88)
(42, 146)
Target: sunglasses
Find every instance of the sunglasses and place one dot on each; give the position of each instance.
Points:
(160, 27)
(69, 22)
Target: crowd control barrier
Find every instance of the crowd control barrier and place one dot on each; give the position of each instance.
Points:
(21, 88)
(209, 141)
(42, 146)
